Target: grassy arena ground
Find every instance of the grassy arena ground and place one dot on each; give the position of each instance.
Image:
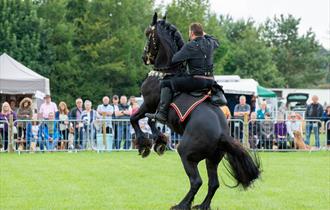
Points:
(123, 180)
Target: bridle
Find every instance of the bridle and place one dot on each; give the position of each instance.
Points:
(147, 49)
(151, 50)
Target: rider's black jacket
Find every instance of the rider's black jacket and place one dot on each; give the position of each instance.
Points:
(198, 54)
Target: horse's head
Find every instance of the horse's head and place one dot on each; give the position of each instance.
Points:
(163, 40)
(152, 45)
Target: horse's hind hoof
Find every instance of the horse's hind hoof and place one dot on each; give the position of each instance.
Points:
(180, 207)
(201, 207)
(160, 149)
(145, 152)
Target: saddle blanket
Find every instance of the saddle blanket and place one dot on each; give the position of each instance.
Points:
(184, 104)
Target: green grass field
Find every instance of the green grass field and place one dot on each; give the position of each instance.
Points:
(123, 180)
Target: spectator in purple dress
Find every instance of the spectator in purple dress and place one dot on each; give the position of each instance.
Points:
(281, 133)
(5, 115)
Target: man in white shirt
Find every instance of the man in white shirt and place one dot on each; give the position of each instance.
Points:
(47, 107)
(105, 110)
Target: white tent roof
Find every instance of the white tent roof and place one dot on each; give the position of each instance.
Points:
(16, 78)
(235, 85)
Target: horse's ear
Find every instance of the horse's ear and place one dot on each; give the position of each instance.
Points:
(154, 19)
(164, 18)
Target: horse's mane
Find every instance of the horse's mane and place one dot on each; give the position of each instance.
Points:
(170, 37)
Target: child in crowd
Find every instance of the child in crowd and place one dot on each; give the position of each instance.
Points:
(34, 134)
(50, 132)
(71, 138)
(254, 131)
(62, 115)
(293, 124)
(267, 132)
(281, 133)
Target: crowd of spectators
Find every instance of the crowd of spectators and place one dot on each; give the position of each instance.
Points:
(55, 127)
(267, 133)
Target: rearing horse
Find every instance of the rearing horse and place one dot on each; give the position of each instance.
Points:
(205, 133)
(158, 52)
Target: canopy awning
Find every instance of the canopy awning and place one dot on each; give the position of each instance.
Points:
(236, 85)
(264, 92)
(15, 78)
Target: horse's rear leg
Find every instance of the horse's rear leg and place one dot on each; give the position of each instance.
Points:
(213, 185)
(195, 183)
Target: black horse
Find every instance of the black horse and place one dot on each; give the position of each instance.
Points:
(205, 134)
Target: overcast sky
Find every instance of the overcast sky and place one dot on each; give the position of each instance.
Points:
(314, 14)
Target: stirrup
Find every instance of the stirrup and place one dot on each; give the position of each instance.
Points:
(151, 116)
(157, 116)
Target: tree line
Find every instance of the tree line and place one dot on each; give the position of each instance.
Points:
(92, 48)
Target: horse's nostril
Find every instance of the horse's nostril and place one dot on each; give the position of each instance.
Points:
(145, 60)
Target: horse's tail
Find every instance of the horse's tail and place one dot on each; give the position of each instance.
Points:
(243, 166)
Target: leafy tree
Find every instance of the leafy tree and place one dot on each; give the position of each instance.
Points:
(92, 48)
(59, 58)
(19, 32)
(248, 55)
(111, 38)
(296, 57)
(183, 12)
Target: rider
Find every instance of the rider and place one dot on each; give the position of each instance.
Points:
(198, 54)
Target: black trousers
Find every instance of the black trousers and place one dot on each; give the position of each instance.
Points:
(187, 83)
(21, 132)
(65, 134)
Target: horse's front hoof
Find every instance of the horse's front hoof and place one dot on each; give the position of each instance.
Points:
(144, 145)
(180, 207)
(144, 152)
(201, 207)
(160, 149)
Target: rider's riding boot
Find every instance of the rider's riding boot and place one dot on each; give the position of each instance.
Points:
(165, 100)
(218, 97)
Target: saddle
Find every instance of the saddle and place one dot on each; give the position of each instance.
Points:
(185, 103)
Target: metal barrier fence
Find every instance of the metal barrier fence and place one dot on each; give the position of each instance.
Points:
(56, 135)
(118, 134)
(236, 127)
(275, 135)
(4, 135)
(285, 134)
(327, 133)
